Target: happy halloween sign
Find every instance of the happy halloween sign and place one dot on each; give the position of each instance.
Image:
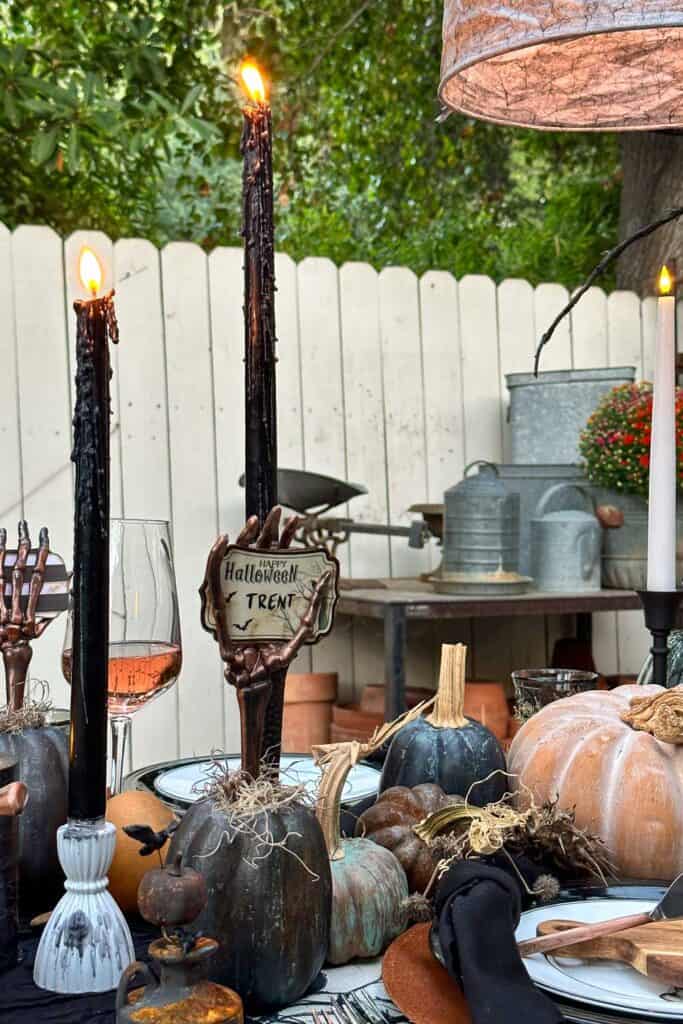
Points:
(267, 593)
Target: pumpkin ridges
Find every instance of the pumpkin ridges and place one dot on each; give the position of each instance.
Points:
(625, 785)
(273, 942)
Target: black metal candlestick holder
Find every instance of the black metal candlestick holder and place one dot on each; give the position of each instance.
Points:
(661, 612)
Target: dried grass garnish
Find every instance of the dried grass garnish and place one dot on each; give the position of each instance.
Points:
(546, 835)
(247, 804)
(33, 713)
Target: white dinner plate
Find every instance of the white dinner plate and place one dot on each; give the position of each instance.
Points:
(598, 983)
(187, 783)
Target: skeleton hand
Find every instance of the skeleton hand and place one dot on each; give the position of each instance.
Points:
(258, 670)
(18, 628)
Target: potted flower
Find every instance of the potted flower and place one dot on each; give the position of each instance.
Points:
(615, 445)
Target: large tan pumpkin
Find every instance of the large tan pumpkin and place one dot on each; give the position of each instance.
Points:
(623, 783)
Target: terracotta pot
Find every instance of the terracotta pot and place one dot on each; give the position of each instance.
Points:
(309, 697)
(349, 722)
(487, 703)
(372, 698)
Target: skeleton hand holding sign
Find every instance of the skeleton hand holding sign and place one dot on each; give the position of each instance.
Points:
(17, 627)
(258, 670)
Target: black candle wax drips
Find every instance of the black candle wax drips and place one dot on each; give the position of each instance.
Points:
(259, 313)
(92, 471)
(96, 327)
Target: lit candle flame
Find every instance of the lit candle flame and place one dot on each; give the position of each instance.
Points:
(666, 281)
(90, 270)
(253, 82)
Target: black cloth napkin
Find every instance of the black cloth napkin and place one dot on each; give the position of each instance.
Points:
(478, 908)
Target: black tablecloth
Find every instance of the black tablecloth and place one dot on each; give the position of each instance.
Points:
(22, 1002)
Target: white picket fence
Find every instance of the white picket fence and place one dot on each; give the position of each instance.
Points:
(386, 379)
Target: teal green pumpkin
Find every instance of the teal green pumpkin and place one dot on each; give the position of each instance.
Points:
(369, 886)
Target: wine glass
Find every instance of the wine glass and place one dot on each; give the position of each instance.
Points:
(145, 653)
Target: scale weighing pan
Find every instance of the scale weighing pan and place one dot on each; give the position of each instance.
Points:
(303, 491)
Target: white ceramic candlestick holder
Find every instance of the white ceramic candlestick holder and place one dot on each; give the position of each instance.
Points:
(86, 943)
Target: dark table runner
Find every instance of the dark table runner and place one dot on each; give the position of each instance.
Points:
(22, 1002)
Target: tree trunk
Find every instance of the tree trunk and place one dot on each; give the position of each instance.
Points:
(652, 165)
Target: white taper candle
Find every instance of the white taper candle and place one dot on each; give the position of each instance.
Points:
(661, 538)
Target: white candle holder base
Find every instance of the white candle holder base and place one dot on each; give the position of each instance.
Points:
(86, 943)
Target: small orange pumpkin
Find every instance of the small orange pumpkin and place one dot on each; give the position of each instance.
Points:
(133, 807)
(598, 753)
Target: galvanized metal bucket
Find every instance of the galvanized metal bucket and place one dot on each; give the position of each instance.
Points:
(547, 413)
(531, 483)
(624, 549)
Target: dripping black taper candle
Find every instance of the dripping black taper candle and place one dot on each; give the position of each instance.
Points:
(96, 327)
(259, 305)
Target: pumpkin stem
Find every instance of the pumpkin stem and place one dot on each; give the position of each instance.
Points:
(336, 761)
(661, 715)
(449, 709)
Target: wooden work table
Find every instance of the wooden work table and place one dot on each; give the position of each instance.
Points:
(399, 601)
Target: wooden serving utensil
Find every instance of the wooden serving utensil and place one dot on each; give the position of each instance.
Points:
(669, 907)
(654, 949)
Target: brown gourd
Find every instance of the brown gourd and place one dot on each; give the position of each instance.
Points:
(369, 886)
(390, 823)
(616, 759)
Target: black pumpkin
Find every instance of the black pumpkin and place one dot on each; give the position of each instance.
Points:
(447, 748)
(270, 913)
(42, 757)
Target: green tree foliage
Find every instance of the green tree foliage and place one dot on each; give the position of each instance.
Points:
(125, 117)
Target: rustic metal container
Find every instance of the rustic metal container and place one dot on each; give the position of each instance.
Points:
(624, 549)
(566, 543)
(182, 992)
(481, 524)
(547, 413)
(531, 483)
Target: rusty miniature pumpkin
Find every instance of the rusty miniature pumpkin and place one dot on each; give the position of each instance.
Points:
(616, 758)
(389, 823)
(172, 895)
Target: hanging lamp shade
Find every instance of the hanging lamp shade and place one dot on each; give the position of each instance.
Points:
(565, 64)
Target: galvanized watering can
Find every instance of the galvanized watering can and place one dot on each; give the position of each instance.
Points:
(565, 545)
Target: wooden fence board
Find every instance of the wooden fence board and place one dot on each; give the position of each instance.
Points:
(11, 499)
(323, 418)
(44, 415)
(548, 301)
(145, 453)
(201, 689)
(589, 330)
(481, 369)
(516, 340)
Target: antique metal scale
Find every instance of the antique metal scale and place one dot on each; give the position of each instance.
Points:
(313, 495)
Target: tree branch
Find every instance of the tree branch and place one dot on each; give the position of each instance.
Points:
(606, 260)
